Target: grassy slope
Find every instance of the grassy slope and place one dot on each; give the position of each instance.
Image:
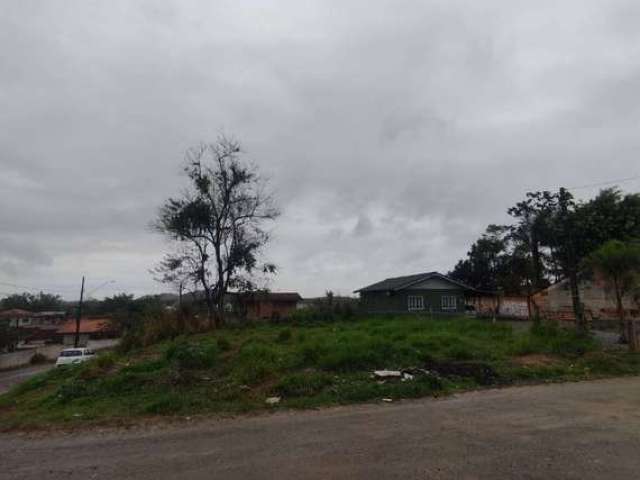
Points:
(234, 370)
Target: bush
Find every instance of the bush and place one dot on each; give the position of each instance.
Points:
(106, 360)
(284, 336)
(130, 341)
(223, 344)
(191, 356)
(37, 359)
(71, 390)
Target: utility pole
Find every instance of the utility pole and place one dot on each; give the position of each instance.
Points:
(78, 316)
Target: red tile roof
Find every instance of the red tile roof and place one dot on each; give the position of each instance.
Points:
(87, 325)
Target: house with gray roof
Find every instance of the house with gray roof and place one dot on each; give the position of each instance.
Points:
(426, 293)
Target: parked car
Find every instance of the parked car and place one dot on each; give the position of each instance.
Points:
(70, 356)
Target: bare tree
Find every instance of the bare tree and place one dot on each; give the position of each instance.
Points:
(218, 222)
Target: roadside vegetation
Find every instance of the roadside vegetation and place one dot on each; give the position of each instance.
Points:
(308, 364)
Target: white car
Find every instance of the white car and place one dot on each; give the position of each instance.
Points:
(70, 356)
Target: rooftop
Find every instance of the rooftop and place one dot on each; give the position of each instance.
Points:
(400, 283)
(87, 325)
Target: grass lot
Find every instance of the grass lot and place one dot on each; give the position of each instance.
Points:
(234, 370)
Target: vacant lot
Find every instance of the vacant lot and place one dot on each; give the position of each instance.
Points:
(235, 370)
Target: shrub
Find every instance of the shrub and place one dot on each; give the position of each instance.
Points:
(130, 341)
(71, 390)
(161, 326)
(223, 344)
(284, 336)
(191, 356)
(37, 359)
(106, 360)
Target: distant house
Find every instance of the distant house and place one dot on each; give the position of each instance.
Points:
(267, 305)
(598, 303)
(15, 316)
(34, 325)
(90, 328)
(429, 292)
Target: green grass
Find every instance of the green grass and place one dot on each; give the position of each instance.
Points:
(234, 370)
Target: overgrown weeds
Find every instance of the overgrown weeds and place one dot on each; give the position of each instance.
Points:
(312, 364)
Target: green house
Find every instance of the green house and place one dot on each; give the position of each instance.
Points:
(423, 293)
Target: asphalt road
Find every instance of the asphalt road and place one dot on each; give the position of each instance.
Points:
(588, 430)
(9, 378)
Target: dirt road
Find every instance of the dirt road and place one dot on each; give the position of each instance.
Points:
(566, 431)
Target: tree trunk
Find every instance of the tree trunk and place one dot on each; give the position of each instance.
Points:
(575, 301)
(628, 332)
(210, 310)
(624, 334)
(535, 257)
(220, 312)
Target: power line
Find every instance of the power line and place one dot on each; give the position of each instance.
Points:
(609, 182)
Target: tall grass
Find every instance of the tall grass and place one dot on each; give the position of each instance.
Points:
(314, 364)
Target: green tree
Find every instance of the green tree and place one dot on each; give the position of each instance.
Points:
(619, 263)
(33, 302)
(219, 222)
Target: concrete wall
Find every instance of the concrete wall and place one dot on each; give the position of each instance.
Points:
(599, 303)
(510, 307)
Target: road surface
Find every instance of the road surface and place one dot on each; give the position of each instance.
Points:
(588, 430)
(9, 378)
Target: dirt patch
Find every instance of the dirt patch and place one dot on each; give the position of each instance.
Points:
(482, 373)
(535, 360)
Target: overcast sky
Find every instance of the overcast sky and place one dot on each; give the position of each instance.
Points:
(392, 132)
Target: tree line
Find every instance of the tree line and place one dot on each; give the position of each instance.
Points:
(552, 237)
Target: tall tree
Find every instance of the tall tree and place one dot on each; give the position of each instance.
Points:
(481, 269)
(219, 221)
(619, 264)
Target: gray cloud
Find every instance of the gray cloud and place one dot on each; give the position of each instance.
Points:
(392, 132)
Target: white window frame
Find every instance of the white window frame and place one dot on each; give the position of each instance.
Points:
(448, 302)
(415, 303)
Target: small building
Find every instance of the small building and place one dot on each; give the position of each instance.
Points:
(430, 293)
(15, 317)
(267, 305)
(34, 326)
(90, 328)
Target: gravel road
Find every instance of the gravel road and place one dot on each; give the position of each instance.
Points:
(582, 430)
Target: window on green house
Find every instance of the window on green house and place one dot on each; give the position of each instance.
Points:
(448, 302)
(415, 302)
